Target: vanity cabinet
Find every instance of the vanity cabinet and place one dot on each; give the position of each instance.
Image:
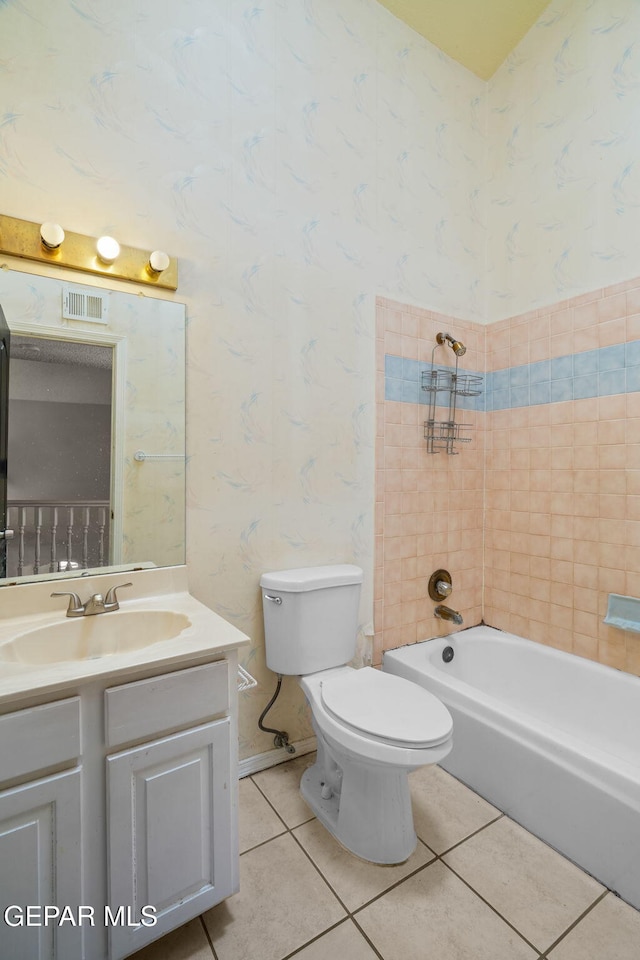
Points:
(121, 797)
(40, 843)
(170, 802)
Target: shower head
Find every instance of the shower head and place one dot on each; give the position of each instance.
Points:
(458, 348)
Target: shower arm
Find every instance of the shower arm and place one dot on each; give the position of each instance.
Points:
(456, 345)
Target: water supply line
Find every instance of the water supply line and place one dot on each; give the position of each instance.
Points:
(281, 738)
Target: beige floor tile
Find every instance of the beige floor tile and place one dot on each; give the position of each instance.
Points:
(444, 810)
(281, 785)
(611, 931)
(282, 904)
(354, 880)
(344, 943)
(258, 822)
(186, 943)
(531, 885)
(433, 914)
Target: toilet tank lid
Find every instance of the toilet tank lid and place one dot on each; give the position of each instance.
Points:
(312, 578)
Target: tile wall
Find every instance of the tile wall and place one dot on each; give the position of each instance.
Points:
(428, 507)
(562, 520)
(538, 519)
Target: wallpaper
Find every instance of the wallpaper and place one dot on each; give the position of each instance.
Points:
(563, 178)
(298, 157)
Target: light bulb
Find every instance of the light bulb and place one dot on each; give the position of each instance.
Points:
(108, 249)
(158, 261)
(51, 235)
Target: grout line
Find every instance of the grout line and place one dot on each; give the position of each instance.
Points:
(370, 942)
(308, 943)
(320, 873)
(262, 843)
(469, 836)
(207, 935)
(491, 907)
(393, 886)
(435, 857)
(282, 820)
(352, 914)
(575, 923)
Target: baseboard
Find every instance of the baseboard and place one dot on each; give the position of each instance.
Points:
(262, 761)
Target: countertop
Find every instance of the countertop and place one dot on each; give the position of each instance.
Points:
(207, 635)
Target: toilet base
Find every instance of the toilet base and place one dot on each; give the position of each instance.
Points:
(366, 806)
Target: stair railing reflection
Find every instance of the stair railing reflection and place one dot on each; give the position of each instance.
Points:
(50, 536)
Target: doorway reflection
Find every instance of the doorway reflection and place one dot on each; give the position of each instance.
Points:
(59, 455)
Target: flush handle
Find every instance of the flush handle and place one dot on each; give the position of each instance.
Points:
(277, 600)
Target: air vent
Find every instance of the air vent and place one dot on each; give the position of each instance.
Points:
(85, 304)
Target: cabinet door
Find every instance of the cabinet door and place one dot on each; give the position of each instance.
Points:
(171, 817)
(40, 864)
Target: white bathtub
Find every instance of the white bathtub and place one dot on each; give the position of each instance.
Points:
(551, 739)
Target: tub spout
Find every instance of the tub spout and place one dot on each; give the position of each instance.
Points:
(446, 613)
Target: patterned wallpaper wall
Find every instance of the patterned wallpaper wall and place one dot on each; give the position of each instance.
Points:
(564, 179)
(298, 157)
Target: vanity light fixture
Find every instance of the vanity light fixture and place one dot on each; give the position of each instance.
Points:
(108, 249)
(158, 263)
(51, 236)
(49, 243)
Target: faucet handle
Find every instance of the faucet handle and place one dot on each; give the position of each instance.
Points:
(75, 603)
(111, 599)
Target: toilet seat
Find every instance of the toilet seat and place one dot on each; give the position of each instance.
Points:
(388, 708)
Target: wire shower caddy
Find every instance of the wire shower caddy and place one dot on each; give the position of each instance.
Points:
(446, 434)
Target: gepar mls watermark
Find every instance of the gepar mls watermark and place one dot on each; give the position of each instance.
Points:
(50, 915)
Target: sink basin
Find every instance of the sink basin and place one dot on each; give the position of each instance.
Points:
(86, 638)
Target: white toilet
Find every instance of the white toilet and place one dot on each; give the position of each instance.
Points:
(372, 728)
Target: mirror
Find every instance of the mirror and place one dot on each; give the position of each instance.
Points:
(96, 429)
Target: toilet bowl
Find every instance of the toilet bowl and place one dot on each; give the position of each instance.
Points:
(370, 736)
(372, 728)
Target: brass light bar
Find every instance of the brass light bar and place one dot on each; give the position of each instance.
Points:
(21, 238)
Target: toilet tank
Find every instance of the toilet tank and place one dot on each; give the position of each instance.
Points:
(310, 617)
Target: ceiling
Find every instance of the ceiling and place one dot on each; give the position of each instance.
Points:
(479, 34)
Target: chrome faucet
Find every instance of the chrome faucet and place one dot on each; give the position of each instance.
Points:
(95, 604)
(446, 613)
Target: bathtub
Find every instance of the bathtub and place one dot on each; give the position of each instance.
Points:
(551, 739)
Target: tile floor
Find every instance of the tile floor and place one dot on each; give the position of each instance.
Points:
(478, 887)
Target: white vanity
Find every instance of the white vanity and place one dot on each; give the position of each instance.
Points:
(118, 766)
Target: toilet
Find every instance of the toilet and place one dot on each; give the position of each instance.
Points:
(372, 728)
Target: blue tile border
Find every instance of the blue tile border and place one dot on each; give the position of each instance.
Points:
(402, 382)
(580, 376)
